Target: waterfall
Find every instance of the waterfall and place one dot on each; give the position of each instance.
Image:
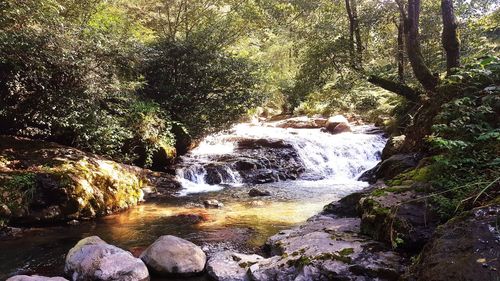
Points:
(341, 157)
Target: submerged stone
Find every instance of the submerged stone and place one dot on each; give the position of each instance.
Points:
(35, 278)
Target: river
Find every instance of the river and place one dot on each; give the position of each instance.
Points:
(311, 169)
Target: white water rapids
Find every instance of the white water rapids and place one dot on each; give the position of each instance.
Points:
(326, 158)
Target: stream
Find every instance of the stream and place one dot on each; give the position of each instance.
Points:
(302, 169)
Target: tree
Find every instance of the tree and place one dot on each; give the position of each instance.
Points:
(411, 19)
(354, 33)
(451, 43)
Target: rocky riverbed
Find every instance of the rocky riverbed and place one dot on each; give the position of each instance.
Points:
(252, 207)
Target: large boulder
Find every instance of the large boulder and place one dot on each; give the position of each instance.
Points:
(393, 215)
(43, 182)
(302, 122)
(170, 255)
(337, 124)
(391, 167)
(231, 266)
(93, 259)
(35, 278)
(254, 192)
(465, 248)
(393, 146)
(327, 247)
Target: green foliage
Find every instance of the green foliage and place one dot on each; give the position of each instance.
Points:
(204, 89)
(466, 136)
(17, 191)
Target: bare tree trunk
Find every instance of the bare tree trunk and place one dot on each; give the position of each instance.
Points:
(351, 33)
(413, 48)
(400, 56)
(450, 39)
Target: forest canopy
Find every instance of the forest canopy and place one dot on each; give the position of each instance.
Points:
(135, 79)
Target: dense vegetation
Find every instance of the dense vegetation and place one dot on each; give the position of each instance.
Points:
(138, 80)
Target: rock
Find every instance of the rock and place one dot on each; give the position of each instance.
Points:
(341, 128)
(93, 259)
(326, 247)
(395, 217)
(333, 122)
(397, 164)
(10, 232)
(35, 278)
(391, 167)
(73, 222)
(212, 203)
(257, 203)
(5, 211)
(64, 183)
(231, 266)
(254, 192)
(465, 248)
(262, 143)
(174, 255)
(393, 146)
(302, 122)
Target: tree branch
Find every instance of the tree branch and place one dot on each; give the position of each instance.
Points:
(397, 88)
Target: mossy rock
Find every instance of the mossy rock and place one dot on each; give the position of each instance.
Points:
(43, 182)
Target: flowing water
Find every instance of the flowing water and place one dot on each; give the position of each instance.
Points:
(330, 165)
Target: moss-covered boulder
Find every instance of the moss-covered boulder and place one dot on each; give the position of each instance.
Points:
(465, 248)
(43, 182)
(399, 213)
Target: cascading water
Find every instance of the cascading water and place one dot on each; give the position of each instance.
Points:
(339, 158)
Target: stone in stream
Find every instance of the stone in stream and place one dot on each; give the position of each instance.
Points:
(254, 192)
(35, 278)
(93, 259)
(327, 247)
(231, 266)
(212, 203)
(170, 255)
(337, 124)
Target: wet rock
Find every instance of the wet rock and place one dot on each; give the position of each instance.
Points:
(188, 219)
(391, 167)
(341, 128)
(393, 146)
(64, 183)
(302, 122)
(254, 192)
(324, 248)
(465, 248)
(231, 266)
(73, 222)
(395, 217)
(10, 232)
(173, 255)
(93, 259)
(212, 203)
(256, 203)
(35, 278)
(262, 143)
(5, 211)
(333, 122)
(348, 205)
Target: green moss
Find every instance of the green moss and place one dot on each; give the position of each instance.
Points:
(346, 251)
(300, 262)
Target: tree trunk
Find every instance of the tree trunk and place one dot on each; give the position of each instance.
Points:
(420, 69)
(450, 39)
(351, 33)
(400, 56)
(354, 34)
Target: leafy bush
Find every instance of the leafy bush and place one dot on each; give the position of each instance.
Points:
(204, 89)
(466, 137)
